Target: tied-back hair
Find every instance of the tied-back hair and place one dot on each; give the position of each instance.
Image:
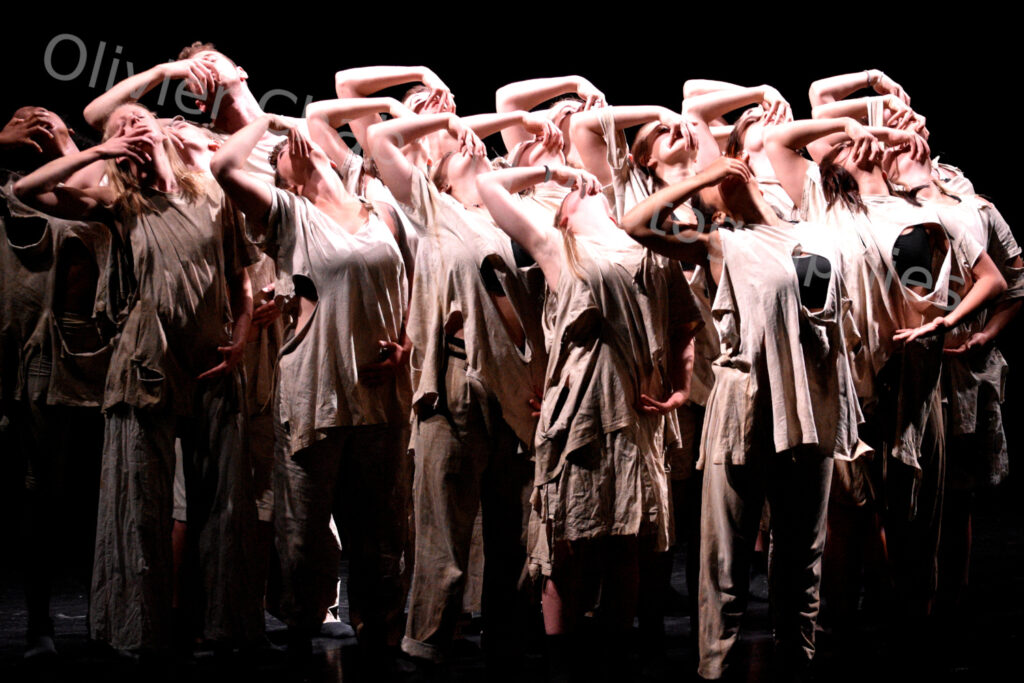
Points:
(840, 187)
(131, 197)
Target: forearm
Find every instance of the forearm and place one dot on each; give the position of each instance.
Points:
(626, 116)
(714, 104)
(798, 134)
(695, 87)
(241, 307)
(985, 289)
(838, 87)
(641, 221)
(341, 111)
(1001, 316)
(231, 157)
(526, 95)
(367, 80)
(856, 108)
(130, 89)
(47, 177)
(680, 368)
(485, 125)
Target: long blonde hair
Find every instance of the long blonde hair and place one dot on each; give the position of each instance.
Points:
(130, 196)
(572, 254)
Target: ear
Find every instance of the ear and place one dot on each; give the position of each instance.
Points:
(242, 75)
(719, 217)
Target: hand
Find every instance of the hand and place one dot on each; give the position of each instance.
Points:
(727, 167)
(535, 401)
(268, 311)
(543, 129)
(932, 327)
(129, 143)
(393, 357)
(199, 75)
(916, 147)
(300, 152)
(865, 145)
(975, 341)
(469, 143)
(776, 108)
(279, 124)
(592, 97)
(20, 131)
(886, 86)
(575, 178)
(233, 354)
(651, 407)
(440, 95)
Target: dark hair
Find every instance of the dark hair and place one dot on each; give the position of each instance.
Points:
(734, 144)
(839, 186)
(273, 157)
(439, 173)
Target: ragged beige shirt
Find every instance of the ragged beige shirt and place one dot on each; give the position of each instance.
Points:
(447, 283)
(180, 309)
(610, 344)
(783, 369)
(37, 331)
(362, 296)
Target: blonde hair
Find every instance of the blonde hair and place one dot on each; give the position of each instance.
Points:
(572, 253)
(130, 196)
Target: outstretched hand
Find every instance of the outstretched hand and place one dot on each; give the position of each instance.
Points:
(932, 327)
(651, 406)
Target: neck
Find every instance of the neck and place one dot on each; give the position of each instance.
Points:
(672, 174)
(750, 207)
(872, 183)
(236, 108)
(324, 188)
(464, 189)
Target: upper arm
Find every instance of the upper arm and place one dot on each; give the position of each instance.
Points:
(324, 134)
(253, 196)
(790, 167)
(72, 203)
(590, 143)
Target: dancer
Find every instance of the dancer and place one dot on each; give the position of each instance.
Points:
(478, 356)
(172, 374)
(622, 322)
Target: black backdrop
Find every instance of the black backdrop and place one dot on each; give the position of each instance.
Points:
(961, 69)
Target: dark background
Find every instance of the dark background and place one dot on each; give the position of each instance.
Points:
(961, 69)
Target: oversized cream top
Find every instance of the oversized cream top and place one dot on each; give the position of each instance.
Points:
(179, 312)
(362, 295)
(967, 374)
(783, 369)
(448, 284)
(612, 325)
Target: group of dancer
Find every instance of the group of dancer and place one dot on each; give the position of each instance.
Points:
(585, 348)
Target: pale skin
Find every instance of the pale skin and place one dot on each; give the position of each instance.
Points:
(908, 163)
(862, 160)
(525, 95)
(309, 174)
(136, 138)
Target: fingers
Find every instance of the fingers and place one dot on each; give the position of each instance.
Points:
(215, 371)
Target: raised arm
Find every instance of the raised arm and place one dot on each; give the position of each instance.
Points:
(386, 140)
(326, 116)
(485, 125)
(368, 80)
(840, 87)
(652, 223)
(781, 143)
(525, 95)
(44, 188)
(713, 104)
(253, 196)
(197, 72)
(588, 136)
(498, 188)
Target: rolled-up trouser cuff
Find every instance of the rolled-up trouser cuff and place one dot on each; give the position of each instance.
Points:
(420, 650)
